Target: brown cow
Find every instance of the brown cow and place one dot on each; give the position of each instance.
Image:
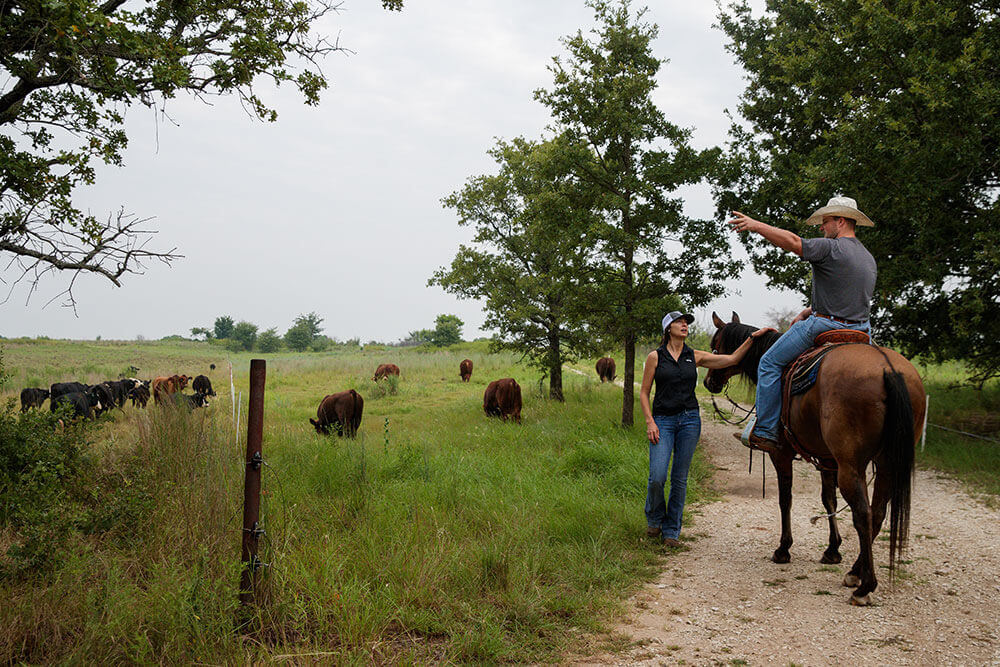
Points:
(503, 399)
(606, 369)
(385, 370)
(342, 411)
(164, 385)
(465, 369)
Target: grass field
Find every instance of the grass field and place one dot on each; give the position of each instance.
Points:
(436, 535)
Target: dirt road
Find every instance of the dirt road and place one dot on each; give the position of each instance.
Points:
(721, 601)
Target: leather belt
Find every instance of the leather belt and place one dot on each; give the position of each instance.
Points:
(838, 319)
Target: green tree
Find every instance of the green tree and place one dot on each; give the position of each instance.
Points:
(71, 69)
(201, 331)
(269, 341)
(447, 330)
(644, 250)
(893, 104)
(303, 332)
(530, 220)
(417, 337)
(223, 326)
(245, 333)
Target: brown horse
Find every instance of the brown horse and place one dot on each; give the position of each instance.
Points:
(867, 406)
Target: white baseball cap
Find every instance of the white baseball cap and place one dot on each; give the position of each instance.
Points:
(676, 315)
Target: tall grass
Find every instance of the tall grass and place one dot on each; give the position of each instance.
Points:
(436, 535)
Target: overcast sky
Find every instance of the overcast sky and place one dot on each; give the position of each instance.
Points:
(336, 209)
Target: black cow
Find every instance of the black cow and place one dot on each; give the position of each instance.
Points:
(202, 385)
(140, 394)
(106, 399)
(32, 397)
(60, 388)
(83, 403)
(120, 389)
(189, 401)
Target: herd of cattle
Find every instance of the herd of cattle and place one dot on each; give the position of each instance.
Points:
(340, 412)
(92, 400)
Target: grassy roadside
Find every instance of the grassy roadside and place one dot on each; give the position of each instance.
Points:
(437, 535)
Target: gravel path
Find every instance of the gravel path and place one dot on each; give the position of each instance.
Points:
(721, 601)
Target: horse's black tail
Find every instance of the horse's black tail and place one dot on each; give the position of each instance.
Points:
(898, 454)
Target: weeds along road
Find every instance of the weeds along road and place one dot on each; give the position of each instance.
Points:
(721, 601)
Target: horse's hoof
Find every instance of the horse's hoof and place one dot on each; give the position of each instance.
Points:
(781, 557)
(852, 580)
(830, 558)
(864, 601)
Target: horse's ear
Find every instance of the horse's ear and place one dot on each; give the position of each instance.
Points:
(736, 318)
(717, 321)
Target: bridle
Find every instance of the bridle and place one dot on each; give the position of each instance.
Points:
(725, 392)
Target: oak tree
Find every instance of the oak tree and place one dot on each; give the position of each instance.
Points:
(893, 104)
(68, 71)
(645, 250)
(528, 258)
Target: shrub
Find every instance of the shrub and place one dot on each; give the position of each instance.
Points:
(269, 341)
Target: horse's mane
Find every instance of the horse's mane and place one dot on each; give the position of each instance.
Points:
(733, 335)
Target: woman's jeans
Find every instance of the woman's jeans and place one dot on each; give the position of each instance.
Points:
(792, 343)
(678, 437)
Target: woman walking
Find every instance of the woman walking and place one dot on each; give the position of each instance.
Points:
(673, 422)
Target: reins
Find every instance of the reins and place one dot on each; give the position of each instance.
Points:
(722, 415)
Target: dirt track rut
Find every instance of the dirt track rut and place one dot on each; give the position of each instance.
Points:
(721, 601)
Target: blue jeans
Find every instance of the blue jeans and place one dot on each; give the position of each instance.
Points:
(792, 343)
(678, 437)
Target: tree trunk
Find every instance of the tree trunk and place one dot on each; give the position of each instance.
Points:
(555, 370)
(628, 391)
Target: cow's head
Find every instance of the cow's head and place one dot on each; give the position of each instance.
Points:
(322, 429)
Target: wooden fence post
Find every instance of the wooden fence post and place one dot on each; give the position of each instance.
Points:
(251, 484)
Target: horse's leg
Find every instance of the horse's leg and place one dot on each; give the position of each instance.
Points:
(862, 575)
(829, 495)
(783, 466)
(880, 497)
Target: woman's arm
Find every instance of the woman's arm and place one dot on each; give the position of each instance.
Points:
(648, 369)
(709, 360)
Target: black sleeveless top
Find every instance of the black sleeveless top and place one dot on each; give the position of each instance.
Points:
(675, 382)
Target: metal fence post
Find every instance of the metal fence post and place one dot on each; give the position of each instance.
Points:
(251, 485)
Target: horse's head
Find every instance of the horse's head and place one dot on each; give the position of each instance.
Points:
(728, 336)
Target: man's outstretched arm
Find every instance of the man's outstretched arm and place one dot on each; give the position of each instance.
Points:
(782, 238)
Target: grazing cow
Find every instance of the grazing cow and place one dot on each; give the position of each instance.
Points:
(139, 395)
(465, 369)
(32, 397)
(163, 385)
(60, 388)
(342, 411)
(83, 403)
(106, 399)
(606, 369)
(503, 399)
(385, 370)
(189, 401)
(211, 367)
(202, 385)
(120, 389)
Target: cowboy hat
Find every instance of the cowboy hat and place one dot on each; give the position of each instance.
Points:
(840, 206)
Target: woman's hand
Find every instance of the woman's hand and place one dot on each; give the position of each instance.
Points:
(653, 433)
(760, 332)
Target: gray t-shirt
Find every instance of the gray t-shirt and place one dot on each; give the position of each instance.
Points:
(843, 277)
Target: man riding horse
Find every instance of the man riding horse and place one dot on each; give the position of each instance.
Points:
(843, 279)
